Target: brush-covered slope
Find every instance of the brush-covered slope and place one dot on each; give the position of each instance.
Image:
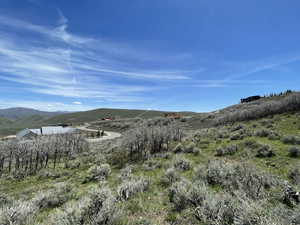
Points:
(233, 174)
(5, 122)
(33, 120)
(272, 105)
(98, 114)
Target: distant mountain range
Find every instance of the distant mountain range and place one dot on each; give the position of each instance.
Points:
(15, 119)
(20, 113)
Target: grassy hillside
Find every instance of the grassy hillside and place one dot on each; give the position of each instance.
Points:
(13, 120)
(11, 127)
(38, 120)
(5, 122)
(30, 121)
(98, 114)
(288, 102)
(231, 174)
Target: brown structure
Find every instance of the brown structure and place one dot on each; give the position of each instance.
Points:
(173, 115)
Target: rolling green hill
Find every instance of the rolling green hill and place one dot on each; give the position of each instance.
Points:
(5, 122)
(11, 127)
(98, 114)
(43, 118)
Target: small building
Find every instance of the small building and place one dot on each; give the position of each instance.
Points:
(32, 133)
(26, 133)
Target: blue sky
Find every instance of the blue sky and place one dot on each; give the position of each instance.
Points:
(193, 55)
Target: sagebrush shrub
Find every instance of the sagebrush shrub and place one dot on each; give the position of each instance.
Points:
(252, 144)
(223, 133)
(182, 163)
(164, 155)
(294, 152)
(131, 187)
(294, 175)
(295, 218)
(216, 209)
(52, 198)
(265, 151)
(171, 176)
(70, 215)
(119, 158)
(290, 196)
(212, 208)
(126, 173)
(152, 164)
(109, 213)
(266, 122)
(236, 136)
(293, 140)
(192, 148)
(223, 208)
(189, 148)
(20, 213)
(99, 207)
(237, 127)
(178, 148)
(274, 136)
(257, 213)
(5, 200)
(227, 150)
(24, 212)
(237, 176)
(179, 194)
(98, 173)
(263, 133)
(73, 164)
(196, 151)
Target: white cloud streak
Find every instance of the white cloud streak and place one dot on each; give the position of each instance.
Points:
(75, 69)
(263, 65)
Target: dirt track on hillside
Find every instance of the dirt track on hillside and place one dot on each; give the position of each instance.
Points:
(108, 135)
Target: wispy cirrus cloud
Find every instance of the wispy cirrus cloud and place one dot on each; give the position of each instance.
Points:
(57, 33)
(75, 69)
(262, 65)
(228, 83)
(244, 73)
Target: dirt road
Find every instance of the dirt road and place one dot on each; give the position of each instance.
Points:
(108, 134)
